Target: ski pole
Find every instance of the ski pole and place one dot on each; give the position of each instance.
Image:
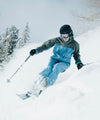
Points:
(93, 62)
(88, 63)
(9, 80)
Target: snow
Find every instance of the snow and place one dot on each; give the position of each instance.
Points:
(75, 95)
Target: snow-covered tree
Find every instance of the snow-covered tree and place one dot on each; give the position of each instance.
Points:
(12, 38)
(0, 38)
(25, 37)
(7, 32)
(3, 51)
(8, 42)
(26, 32)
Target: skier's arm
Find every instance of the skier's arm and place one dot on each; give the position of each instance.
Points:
(46, 45)
(76, 56)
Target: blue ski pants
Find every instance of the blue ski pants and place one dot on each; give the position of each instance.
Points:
(53, 69)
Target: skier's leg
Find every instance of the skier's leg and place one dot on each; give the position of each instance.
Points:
(58, 68)
(41, 83)
(45, 73)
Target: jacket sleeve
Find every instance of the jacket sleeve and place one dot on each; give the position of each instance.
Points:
(76, 54)
(46, 45)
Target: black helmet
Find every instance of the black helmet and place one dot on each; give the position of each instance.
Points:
(66, 29)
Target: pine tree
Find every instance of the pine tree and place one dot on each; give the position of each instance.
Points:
(8, 43)
(0, 38)
(12, 38)
(25, 37)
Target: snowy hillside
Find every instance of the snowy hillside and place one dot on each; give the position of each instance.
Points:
(75, 95)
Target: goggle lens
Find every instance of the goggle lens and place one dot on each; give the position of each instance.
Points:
(64, 35)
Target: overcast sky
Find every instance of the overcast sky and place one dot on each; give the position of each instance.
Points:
(45, 17)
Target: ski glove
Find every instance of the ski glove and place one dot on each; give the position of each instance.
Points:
(32, 52)
(79, 65)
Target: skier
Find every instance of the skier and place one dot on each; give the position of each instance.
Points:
(64, 47)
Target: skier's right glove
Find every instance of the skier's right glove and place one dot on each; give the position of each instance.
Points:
(32, 52)
(80, 65)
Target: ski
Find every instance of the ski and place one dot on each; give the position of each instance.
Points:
(23, 96)
(28, 95)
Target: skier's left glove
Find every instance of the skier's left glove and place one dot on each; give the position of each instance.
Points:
(80, 65)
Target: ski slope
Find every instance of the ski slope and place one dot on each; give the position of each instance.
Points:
(74, 96)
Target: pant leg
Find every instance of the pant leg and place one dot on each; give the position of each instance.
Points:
(58, 68)
(45, 73)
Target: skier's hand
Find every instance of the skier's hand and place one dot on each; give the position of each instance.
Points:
(32, 52)
(80, 65)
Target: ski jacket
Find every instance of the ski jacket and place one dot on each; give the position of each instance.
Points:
(63, 50)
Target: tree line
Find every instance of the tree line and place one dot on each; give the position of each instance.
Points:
(11, 40)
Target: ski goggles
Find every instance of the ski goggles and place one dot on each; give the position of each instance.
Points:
(64, 35)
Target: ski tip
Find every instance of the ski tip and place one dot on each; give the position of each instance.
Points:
(23, 96)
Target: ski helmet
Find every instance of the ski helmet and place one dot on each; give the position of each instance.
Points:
(66, 29)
